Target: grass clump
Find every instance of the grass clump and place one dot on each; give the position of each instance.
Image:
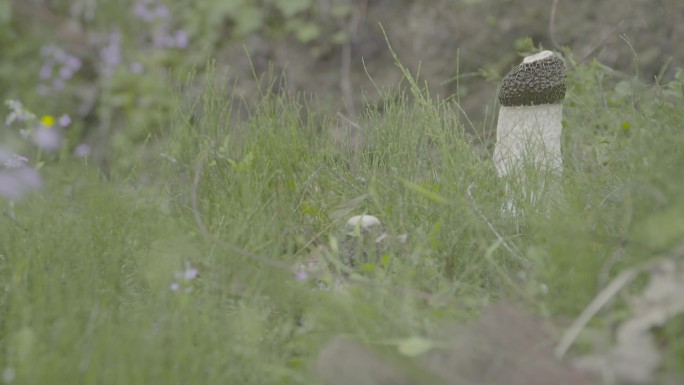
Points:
(188, 277)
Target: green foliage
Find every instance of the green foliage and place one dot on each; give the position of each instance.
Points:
(524, 46)
(304, 19)
(98, 276)
(5, 13)
(116, 109)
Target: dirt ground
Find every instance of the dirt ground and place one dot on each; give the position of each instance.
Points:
(432, 34)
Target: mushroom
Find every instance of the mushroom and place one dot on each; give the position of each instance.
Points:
(363, 240)
(362, 237)
(528, 131)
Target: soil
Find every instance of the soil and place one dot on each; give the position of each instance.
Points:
(443, 38)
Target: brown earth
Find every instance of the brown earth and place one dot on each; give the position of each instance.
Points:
(432, 35)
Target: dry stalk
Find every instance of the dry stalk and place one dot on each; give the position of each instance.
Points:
(607, 294)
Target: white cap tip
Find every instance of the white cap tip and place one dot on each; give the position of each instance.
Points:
(537, 56)
(365, 221)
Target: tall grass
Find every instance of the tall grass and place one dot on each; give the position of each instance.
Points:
(93, 271)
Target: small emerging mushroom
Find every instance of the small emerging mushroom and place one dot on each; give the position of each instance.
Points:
(365, 240)
(529, 128)
(363, 235)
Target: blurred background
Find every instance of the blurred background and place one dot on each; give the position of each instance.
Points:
(112, 66)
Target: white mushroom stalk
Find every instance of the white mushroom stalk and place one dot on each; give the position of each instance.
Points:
(529, 128)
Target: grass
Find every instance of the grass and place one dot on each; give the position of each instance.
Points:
(88, 263)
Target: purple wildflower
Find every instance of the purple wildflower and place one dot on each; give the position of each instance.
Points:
(73, 63)
(140, 10)
(174, 286)
(153, 11)
(12, 160)
(181, 39)
(17, 112)
(47, 138)
(162, 12)
(148, 12)
(301, 275)
(17, 182)
(57, 61)
(190, 272)
(160, 40)
(64, 120)
(66, 73)
(82, 150)
(111, 54)
(46, 71)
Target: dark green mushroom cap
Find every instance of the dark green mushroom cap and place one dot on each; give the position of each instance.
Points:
(536, 82)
